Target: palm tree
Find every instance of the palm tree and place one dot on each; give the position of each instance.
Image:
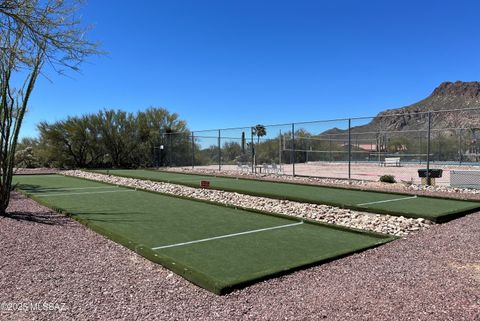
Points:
(259, 131)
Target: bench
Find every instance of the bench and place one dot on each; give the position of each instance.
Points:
(391, 161)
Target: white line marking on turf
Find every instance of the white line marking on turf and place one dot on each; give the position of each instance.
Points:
(225, 236)
(386, 201)
(101, 192)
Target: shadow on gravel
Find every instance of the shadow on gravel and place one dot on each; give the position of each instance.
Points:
(44, 218)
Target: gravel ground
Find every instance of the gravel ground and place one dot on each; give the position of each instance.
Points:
(394, 225)
(47, 258)
(414, 189)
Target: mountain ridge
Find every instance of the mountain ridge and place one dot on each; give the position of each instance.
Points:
(456, 99)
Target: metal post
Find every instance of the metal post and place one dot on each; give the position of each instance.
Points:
(292, 155)
(428, 146)
(420, 149)
(379, 148)
(349, 149)
(253, 149)
(280, 149)
(155, 158)
(193, 151)
(169, 149)
(219, 152)
(161, 155)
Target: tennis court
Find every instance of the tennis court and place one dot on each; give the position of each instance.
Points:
(435, 209)
(216, 247)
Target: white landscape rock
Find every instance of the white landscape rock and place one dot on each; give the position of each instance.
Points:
(364, 184)
(387, 224)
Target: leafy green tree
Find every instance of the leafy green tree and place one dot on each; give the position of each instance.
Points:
(208, 156)
(152, 124)
(118, 136)
(111, 138)
(231, 151)
(73, 140)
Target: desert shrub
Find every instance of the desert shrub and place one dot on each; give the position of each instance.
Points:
(387, 179)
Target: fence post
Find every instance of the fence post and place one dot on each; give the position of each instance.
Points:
(378, 147)
(292, 154)
(169, 149)
(253, 149)
(280, 149)
(428, 146)
(219, 152)
(349, 149)
(154, 158)
(193, 150)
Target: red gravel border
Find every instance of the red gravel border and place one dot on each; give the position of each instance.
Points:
(47, 258)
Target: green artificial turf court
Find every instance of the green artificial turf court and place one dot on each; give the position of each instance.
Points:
(435, 209)
(216, 247)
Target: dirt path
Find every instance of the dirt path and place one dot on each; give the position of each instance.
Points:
(46, 258)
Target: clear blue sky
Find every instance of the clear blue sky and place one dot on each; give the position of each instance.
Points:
(231, 63)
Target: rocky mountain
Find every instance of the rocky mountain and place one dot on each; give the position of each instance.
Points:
(450, 104)
(455, 126)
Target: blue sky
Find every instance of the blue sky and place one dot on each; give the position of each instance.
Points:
(233, 63)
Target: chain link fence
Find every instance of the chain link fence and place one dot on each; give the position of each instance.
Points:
(363, 148)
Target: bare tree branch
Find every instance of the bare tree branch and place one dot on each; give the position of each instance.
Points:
(32, 33)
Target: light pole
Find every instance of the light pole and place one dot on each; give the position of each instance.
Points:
(160, 156)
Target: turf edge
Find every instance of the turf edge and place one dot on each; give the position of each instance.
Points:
(194, 276)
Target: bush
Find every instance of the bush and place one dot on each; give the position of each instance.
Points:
(387, 179)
